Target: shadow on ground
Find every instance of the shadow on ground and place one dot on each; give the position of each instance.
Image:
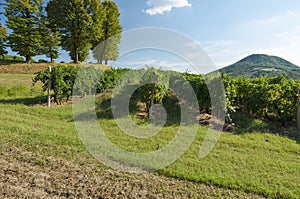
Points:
(138, 114)
(246, 124)
(28, 101)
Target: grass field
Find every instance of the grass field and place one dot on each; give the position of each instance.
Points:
(18, 86)
(245, 165)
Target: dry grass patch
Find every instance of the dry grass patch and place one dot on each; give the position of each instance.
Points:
(24, 68)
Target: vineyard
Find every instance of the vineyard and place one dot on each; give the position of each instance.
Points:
(41, 147)
(271, 98)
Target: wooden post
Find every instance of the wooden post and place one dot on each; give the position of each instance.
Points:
(49, 89)
(298, 109)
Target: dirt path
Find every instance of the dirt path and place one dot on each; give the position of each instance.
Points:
(27, 175)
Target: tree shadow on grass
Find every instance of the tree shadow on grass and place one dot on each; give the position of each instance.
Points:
(104, 110)
(28, 101)
(247, 124)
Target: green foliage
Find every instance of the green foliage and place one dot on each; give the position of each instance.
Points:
(155, 87)
(110, 78)
(201, 91)
(61, 80)
(51, 39)
(3, 38)
(24, 19)
(263, 96)
(79, 24)
(98, 17)
(9, 59)
(14, 58)
(107, 46)
(88, 80)
(262, 65)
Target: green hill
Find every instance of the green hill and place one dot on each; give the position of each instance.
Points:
(260, 65)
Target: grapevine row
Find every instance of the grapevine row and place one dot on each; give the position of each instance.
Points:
(268, 97)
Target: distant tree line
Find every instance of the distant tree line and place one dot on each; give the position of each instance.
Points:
(76, 26)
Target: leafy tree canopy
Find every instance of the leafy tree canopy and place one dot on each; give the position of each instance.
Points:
(79, 23)
(3, 37)
(24, 19)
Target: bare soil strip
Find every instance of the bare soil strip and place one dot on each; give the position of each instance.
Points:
(27, 175)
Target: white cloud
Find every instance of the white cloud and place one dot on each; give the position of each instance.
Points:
(291, 12)
(280, 36)
(279, 22)
(162, 6)
(277, 35)
(286, 45)
(223, 52)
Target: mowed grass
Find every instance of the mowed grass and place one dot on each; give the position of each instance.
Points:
(255, 162)
(44, 131)
(16, 79)
(18, 85)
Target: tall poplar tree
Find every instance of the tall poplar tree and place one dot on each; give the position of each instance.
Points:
(24, 19)
(107, 48)
(51, 42)
(51, 38)
(3, 39)
(79, 23)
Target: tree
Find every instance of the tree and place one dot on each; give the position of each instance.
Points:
(24, 19)
(51, 41)
(107, 47)
(51, 38)
(79, 23)
(98, 17)
(3, 38)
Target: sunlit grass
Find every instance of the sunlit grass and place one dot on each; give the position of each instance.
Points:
(255, 162)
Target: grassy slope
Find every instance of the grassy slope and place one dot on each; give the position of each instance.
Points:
(257, 162)
(18, 85)
(25, 68)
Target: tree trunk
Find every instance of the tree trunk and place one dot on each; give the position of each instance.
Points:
(28, 59)
(106, 62)
(76, 56)
(51, 55)
(298, 108)
(298, 115)
(56, 99)
(152, 100)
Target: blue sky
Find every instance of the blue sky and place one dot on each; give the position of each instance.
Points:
(227, 30)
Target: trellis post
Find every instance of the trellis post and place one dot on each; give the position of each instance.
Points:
(298, 109)
(49, 88)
